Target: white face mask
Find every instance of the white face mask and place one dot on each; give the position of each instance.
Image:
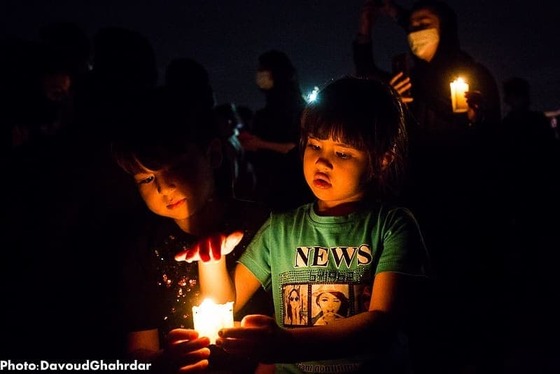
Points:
(424, 43)
(264, 80)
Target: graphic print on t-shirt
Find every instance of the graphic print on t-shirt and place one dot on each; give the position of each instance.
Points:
(306, 304)
(296, 312)
(330, 303)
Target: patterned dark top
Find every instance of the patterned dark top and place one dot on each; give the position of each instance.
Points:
(160, 292)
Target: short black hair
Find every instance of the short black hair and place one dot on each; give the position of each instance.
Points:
(367, 114)
(155, 130)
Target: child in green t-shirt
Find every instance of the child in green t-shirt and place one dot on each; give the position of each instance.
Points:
(351, 243)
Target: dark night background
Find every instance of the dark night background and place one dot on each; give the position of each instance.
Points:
(510, 37)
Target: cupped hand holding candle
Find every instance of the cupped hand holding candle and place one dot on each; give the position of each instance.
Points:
(185, 350)
(458, 100)
(259, 337)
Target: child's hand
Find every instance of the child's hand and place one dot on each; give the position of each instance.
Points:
(211, 248)
(259, 337)
(185, 352)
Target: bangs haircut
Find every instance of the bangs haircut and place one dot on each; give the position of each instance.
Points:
(153, 151)
(363, 113)
(325, 125)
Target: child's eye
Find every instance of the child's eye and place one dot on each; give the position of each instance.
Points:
(313, 146)
(342, 155)
(145, 180)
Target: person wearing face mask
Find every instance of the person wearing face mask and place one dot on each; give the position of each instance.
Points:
(454, 171)
(271, 144)
(436, 60)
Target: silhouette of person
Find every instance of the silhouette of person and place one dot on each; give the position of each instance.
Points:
(241, 169)
(64, 226)
(189, 80)
(453, 172)
(124, 67)
(522, 125)
(532, 162)
(272, 144)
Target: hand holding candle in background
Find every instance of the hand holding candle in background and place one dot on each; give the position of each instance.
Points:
(476, 108)
(463, 100)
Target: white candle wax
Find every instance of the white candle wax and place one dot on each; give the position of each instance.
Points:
(458, 99)
(210, 317)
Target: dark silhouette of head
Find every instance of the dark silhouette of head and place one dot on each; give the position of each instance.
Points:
(189, 79)
(125, 57)
(69, 43)
(517, 93)
(280, 66)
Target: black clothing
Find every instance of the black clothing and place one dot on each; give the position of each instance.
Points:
(453, 185)
(279, 177)
(431, 108)
(160, 292)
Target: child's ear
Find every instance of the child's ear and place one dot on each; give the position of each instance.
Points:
(214, 153)
(388, 158)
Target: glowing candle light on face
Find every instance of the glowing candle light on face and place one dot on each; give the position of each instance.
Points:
(458, 99)
(210, 317)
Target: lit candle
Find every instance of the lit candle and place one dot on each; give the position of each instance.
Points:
(458, 99)
(210, 317)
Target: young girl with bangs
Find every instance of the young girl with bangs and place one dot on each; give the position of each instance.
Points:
(351, 238)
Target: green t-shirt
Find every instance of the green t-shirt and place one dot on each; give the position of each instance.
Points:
(321, 268)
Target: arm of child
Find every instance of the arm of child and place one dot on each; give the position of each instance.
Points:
(261, 337)
(215, 280)
(216, 283)
(246, 284)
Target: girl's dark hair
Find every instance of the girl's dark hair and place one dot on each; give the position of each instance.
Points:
(155, 132)
(366, 114)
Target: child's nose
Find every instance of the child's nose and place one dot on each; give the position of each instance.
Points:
(323, 162)
(166, 184)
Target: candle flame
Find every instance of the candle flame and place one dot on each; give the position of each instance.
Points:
(209, 318)
(458, 99)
